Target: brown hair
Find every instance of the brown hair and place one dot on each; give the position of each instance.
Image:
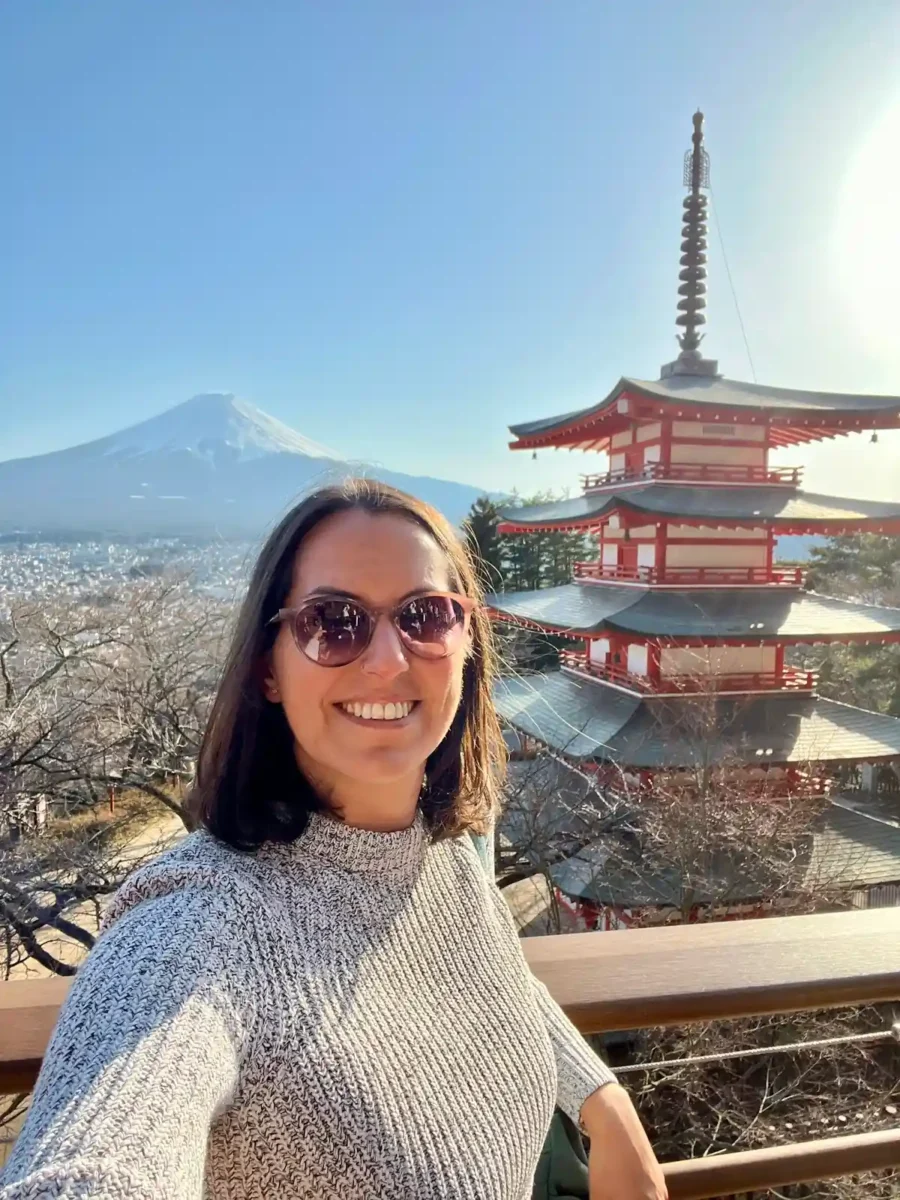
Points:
(249, 788)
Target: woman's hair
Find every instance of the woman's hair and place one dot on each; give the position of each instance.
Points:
(249, 787)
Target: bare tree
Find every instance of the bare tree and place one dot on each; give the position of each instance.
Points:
(153, 710)
(99, 703)
(768, 1081)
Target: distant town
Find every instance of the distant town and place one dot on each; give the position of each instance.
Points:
(86, 569)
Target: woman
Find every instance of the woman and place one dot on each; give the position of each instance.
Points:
(320, 993)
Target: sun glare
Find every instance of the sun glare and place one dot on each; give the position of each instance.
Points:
(867, 239)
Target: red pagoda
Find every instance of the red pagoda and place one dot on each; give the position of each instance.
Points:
(684, 595)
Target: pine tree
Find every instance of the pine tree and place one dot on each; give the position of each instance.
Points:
(864, 567)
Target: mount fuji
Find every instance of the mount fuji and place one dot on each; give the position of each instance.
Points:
(214, 465)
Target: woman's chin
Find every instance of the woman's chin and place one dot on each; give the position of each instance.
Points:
(383, 771)
(374, 767)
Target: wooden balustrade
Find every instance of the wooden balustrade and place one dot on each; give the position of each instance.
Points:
(693, 576)
(789, 680)
(644, 977)
(694, 473)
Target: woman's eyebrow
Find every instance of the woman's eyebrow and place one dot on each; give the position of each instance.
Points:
(325, 590)
(344, 594)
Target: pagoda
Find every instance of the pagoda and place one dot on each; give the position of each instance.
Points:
(684, 599)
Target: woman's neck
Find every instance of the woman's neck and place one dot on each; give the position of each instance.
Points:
(380, 807)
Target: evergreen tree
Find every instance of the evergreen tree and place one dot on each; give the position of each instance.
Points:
(864, 567)
(485, 543)
(522, 561)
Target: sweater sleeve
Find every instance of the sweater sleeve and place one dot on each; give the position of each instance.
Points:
(145, 1053)
(580, 1071)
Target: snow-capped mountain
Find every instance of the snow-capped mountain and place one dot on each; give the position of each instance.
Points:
(212, 465)
(206, 426)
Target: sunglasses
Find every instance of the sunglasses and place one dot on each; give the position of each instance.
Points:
(334, 631)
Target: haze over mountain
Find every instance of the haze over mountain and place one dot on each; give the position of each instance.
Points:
(214, 465)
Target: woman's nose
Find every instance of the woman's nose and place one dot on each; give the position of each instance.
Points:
(385, 655)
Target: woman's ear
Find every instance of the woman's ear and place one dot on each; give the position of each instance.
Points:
(268, 682)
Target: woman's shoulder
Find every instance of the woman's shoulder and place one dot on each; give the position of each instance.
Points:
(199, 873)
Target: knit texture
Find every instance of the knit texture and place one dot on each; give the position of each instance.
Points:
(348, 1016)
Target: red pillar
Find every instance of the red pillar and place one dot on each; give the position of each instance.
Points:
(662, 542)
(665, 448)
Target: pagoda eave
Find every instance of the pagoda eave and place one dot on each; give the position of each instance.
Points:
(688, 641)
(588, 721)
(782, 527)
(750, 616)
(783, 510)
(791, 417)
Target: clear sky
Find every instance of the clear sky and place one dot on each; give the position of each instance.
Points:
(399, 226)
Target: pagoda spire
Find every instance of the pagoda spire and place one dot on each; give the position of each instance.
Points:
(693, 264)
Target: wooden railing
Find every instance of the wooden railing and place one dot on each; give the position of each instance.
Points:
(694, 473)
(790, 679)
(646, 977)
(693, 576)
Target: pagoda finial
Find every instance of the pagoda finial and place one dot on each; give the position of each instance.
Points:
(693, 263)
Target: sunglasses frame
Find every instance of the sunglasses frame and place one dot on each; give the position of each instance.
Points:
(392, 611)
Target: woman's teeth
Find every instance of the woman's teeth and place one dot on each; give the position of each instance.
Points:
(378, 712)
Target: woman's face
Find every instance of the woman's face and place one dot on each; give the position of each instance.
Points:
(378, 559)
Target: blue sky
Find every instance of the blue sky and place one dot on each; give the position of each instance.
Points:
(400, 226)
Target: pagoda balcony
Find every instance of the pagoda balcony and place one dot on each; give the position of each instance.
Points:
(694, 473)
(788, 680)
(668, 976)
(692, 576)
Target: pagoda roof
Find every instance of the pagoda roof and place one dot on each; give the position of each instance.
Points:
(755, 506)
(586, 720)
(757, 614)
(815, 413)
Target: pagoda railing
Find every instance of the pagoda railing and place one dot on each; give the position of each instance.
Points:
(789, 680)
(692, 576)
(695, 473)
(669, 976)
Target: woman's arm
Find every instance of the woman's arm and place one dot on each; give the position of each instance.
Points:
(145, 1053)
(580, 1071)
(621, 1163)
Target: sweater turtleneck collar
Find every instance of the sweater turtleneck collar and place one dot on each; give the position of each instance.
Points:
(363, 851)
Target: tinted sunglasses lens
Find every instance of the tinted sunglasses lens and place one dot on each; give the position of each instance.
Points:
(332, 632)
(431, 626)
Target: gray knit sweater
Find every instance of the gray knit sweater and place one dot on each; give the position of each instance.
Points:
(348, 1016)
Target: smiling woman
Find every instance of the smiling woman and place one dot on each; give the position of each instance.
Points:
(361, 596)
(371, 598)
(321, 993)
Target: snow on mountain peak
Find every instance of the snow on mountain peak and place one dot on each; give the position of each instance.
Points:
(212, 426)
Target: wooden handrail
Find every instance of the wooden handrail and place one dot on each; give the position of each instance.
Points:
(668, 975)
(685, 577)
(641, 977)
(791, 679)
(676, 974)
(28, 1012)
(774, 1166)
(693, 472)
